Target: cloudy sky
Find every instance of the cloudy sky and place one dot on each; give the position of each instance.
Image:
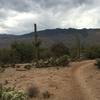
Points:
(19, 16)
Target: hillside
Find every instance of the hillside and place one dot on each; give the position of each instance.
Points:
(49, 36)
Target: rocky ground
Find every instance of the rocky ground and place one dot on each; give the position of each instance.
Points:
(78, 81)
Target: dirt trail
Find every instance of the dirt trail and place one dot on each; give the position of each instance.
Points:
(80, 81)
(80, 90)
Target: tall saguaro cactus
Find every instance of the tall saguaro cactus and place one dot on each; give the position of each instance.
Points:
(78, 46)
(35, 35)
(36, 44)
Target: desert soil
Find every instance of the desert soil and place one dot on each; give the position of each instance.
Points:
(78, 81)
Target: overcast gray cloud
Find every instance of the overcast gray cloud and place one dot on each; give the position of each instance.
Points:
(18, 16)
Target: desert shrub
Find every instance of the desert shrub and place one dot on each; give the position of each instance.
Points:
(6, 82)
(28, 67)
(98, 63)
(2, 65)
(5, 66)
(59, 49)
(32, 91)
(11, 94)
(73, 54)
(18, 53)
(92, 52)
(45, 63)
(18, 66)
(61, 61)
(22, 52)
(46, 95)
(91, 55)
(2, 70)
(5, 56)
(13, 65)
(45, 53)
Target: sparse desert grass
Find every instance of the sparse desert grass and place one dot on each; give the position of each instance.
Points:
(13, 65)
(18, 66)
(46, 95)
(32, 91)
(28, 67)
(98, 63)
(2, 70)
(6, 82)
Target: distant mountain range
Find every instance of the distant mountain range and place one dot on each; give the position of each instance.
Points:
(88, 37)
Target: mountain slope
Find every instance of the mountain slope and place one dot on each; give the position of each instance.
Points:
(49, 36)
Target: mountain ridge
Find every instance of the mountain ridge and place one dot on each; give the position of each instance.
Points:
(49, 36)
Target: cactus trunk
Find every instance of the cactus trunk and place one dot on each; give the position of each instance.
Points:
(36, 44)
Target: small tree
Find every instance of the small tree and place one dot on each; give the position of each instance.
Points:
(5, 56)
(21, 52)
(59, 49)
(92, 52)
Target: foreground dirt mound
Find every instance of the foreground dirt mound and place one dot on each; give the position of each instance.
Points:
(80, 81)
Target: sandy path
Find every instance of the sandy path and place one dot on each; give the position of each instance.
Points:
(76, 82)
(80, 89)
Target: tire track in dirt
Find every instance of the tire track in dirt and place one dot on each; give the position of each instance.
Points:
(80, 90)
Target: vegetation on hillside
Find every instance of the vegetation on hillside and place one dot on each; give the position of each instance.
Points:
(20, 52)
(56, 55)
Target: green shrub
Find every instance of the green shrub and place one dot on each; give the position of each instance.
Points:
(28, 67)
(92, 52)
(98, 63)
(18, 66)
(61, 61)
(32, 91)
(11, 94)
(46, 95)
(22, 52)
(5, 56)
(13, 65)
(4, 65)
(2, 70)
(59, 49)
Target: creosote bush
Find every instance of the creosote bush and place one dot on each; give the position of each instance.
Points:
(98, 63)
(2, 70)
(59, 49)
(28, 67)
(62, 61)
(13, 65)
(32, 91)
(46, 95)
(92, 52)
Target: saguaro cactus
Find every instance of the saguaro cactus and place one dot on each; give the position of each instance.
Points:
(78, 46)
(36, 44)
(35, 35)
